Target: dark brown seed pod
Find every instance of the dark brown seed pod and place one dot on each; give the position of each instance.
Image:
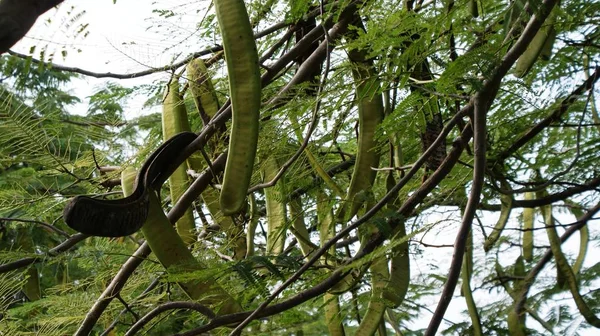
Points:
(125, 216)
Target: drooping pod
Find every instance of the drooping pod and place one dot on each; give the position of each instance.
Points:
(275, 206)
(171, 251)
(370, 115)
(528, 216)
(541, 45)
(506, 201)
(203, 93)
(245, 88)
(174, 121)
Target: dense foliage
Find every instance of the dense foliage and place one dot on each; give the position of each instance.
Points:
(412, 156)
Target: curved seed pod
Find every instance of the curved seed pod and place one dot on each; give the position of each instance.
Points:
(376, 307)
(235, 233)
(276, 212)
(399, 280)
(519, 272)
(322, 173)
(245, 88)
(380, 278)
(174, 121)
(541, 42)
(528, 216)
(584, 240)
(467, 270)
(584, 237)
(300, 231)
(506, 202)
(171, 251)
(370, 115)
(333, 316)
(202, 90)
(516, 324)
(205, 99)
(546, 52)
(546, 211)
(125, 216)
(326, 231)
(566, 270)
(397, 287)
(516, 8)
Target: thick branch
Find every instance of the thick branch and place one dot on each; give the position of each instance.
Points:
(17, 17)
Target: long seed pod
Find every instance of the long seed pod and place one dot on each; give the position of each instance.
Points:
(326, 231)
(566, 270)
(205, 99)
(546, 52)
(584, 237)
(174, 121)
(276, 209)
(377, 305)
(540, 44)
(399, 280)
(171, 251)
(528, 216)
(370, 115)
(300, 231)
(467, 271)
(245, 88)
(516, 323)
(235, 233)
(506, 201)
(333, 315)
(519, 274)
(202, 90)
(546, 211)
(322, 173)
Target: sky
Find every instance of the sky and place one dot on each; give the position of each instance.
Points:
(122, 39)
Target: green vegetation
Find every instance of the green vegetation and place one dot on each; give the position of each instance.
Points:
(361, 168)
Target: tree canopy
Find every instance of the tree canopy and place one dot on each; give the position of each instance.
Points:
(305, 168)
